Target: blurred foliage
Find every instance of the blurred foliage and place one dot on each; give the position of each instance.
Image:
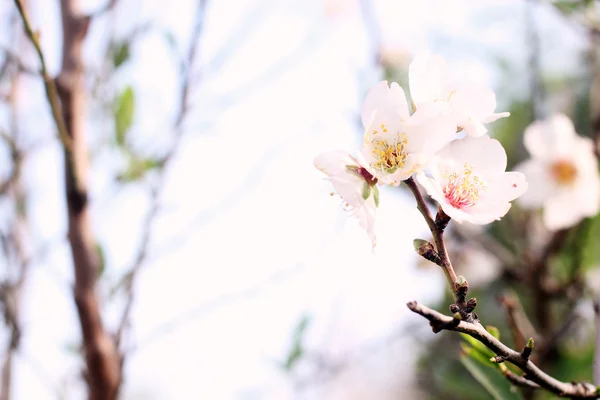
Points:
(124, 110)
(297, 350)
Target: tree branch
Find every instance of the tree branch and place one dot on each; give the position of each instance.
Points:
(49, 84)
(437, 230)
(439, 322)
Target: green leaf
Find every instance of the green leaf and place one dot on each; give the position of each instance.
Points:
(101, 260)
(125, 107)
(475, 371)
(376, 195)
(477, 345)
(297, 349)
(138, 167)
(120, 54)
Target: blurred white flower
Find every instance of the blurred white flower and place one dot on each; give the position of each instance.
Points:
(562, 173)
(469, 180)
(354, 183)
(473, 106)
(396, 144)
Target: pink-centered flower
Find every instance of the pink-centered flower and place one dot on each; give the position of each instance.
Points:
(473, 106)
(396, 144)
(562, 171)
(469, 181)
(355, 184)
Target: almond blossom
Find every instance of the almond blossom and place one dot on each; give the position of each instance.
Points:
(355, 184)
(396, 144)
(563, 173)
(473, 106)
(469, 180)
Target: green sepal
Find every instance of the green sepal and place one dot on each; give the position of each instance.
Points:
(376, 195)
(366, 192)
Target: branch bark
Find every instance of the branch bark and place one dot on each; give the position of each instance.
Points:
(66, 97)
(440, 322)
(437, 230)
(103, 365)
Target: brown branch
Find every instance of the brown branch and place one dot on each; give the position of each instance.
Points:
(518, 322)
(66, 97)
(437, 230)
(519, 380)
(49, 84)
(439, 321)
(103, 370)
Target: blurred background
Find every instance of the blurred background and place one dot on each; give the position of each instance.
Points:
(223, 268)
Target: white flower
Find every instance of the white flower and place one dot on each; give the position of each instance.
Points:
(562, 172)
(355, 184)
(473, 106)
(396, 144)
(469, 182)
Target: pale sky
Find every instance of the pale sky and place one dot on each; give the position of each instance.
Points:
(247, 219)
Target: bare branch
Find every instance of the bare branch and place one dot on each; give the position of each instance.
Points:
(518, 322)
(439, 321)
(49, 84)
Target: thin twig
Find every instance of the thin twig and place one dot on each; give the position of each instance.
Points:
(505, 353)
(438, 235)
(518, 322)
(49, 84)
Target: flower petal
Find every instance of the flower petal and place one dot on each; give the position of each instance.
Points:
(484, 154)
(551, 138)
(427, 78)
(387, 101)
(541, 183)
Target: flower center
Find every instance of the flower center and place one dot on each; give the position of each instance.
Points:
(462, 190)
(564, 172)
(389, 154)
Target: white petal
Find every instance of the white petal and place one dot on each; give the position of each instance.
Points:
(475, 105)
(541, 183)
(559, 213)
(587, 195)
(366, 218)
(551, 138)
(430, 128)
(334, 162)
(507, 187)
(389, 101)
(431, 186)
(484, 154)
(427, 78)
(495, 116)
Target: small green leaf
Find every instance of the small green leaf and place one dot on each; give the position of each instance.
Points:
(376, 195)
(137, 168)
(120, 54)
(297, 349)
(366, 191)
(101, 260)
(124, 110)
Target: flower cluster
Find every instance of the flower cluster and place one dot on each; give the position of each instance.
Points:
(467, 176)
